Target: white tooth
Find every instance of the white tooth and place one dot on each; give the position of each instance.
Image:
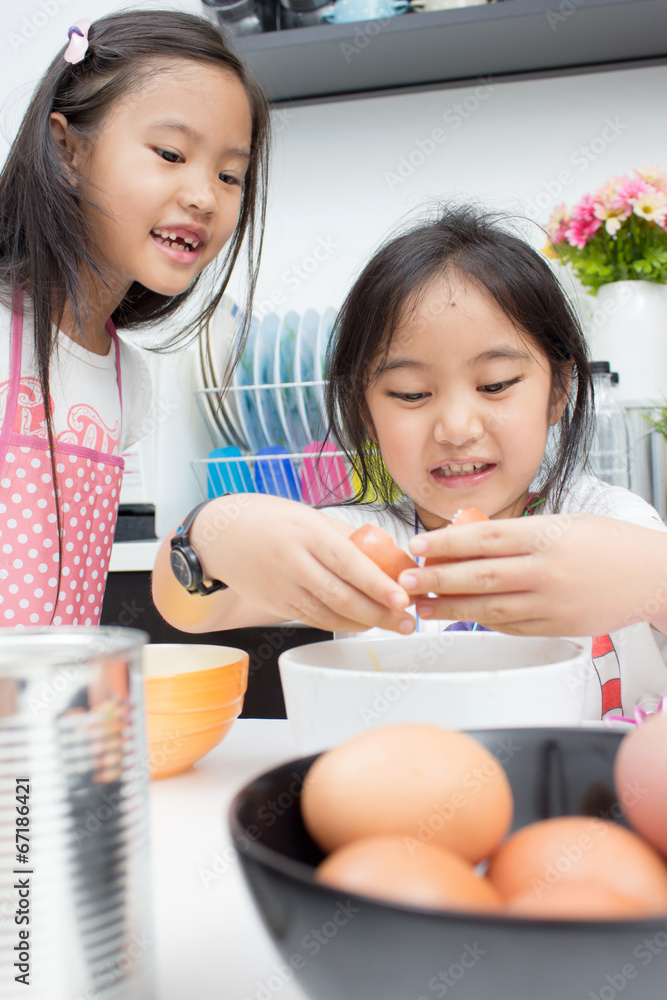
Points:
(163, 233)
(454, 468)
(467, 468)
(195, 244)
(188, 239)
(172, 236)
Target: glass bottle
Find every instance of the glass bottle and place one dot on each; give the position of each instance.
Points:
(610, 454)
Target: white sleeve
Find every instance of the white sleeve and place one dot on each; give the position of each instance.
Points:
(137, 394)
(590, 495)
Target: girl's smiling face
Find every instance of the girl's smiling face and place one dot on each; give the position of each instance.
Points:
(462, 404)
(165, 174)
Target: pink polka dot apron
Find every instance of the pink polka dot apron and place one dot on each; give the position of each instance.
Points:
(88, 482)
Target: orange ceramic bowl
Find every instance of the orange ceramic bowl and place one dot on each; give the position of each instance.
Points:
(193, 695)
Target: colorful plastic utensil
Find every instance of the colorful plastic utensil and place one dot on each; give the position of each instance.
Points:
(275, 474)
(227, 475)
(324, 478)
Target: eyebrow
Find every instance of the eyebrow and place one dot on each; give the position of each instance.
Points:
(494, 354)
(191, 133)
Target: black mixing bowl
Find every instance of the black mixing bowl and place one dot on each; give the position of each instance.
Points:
(342, 947)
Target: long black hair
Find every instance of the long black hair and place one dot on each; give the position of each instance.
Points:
(45, 242)
(476, 244)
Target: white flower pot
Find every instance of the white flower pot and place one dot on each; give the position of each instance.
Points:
(628, 329)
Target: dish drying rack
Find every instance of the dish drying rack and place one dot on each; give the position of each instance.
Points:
(314, 477)
(250, 417)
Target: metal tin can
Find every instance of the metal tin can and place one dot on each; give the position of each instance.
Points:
(74, 866)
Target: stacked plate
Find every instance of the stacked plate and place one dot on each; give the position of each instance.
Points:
(270, 425)
(276, 397)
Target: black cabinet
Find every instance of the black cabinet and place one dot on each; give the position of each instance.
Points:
(128, 602)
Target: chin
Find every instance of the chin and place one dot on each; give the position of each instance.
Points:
(168, 288)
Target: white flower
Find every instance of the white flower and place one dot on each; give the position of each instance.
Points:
(655, 176)
(650, 205)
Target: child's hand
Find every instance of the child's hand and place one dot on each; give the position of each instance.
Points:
(293, 562)
(546, 575)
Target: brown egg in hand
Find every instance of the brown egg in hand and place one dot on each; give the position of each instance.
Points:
(466, 515)
(394, 870)
(379, 546)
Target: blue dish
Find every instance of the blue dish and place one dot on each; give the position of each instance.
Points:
(324, 332)
(265, 401)
(275, 474)
(227, 476)
(284, 371)
(223, 332)
(246, 399)
(309, 396)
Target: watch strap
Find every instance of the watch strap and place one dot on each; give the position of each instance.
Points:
(182, 551)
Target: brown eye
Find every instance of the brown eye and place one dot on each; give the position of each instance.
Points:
(167, 155)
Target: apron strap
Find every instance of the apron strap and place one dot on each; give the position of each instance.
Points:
(119, 378)
(14, 373)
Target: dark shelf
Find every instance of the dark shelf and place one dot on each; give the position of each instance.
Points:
(514, 36)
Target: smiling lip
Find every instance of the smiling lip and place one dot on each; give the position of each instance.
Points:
(461, 475)
(182, 244)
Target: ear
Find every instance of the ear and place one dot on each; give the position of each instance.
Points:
(70, 145)
(560, 401)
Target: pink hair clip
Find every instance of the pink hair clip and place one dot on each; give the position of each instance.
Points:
(78, 41)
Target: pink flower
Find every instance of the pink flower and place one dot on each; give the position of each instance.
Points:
(629, 191)
(585, 209)
(558, 224)
(583, 224)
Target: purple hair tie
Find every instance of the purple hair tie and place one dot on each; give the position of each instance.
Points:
(78, 41)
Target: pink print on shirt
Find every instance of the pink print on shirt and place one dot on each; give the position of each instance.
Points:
(29, 419)
(88, 430)
(85, 427)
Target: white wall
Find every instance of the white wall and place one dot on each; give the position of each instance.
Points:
(345, 174)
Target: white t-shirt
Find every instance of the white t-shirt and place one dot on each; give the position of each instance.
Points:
(626, 665)
(84, 390)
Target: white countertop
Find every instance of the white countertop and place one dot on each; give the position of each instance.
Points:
(134, 556)
(210, 943)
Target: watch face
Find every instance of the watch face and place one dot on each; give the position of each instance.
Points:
(181, 568)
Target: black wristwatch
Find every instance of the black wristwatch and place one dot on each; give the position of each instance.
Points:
(184, 560)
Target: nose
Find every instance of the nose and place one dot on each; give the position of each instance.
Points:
(198, 192)
(457, 422)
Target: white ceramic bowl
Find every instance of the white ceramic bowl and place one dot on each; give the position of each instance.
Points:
(463, 680)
